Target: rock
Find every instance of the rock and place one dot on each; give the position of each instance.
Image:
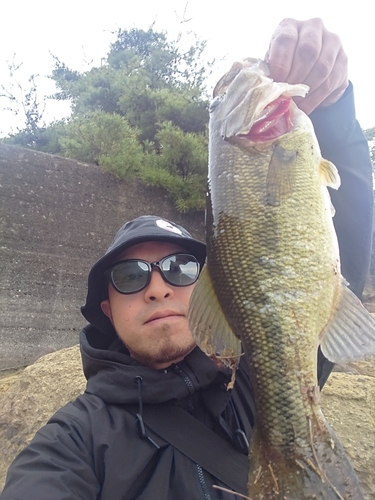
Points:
(38, 392)
(8, 377)
(348, 402)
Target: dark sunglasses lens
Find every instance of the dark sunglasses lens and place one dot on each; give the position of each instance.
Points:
(130, 276)
(180, 269)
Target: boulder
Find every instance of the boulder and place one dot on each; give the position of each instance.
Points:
(348, 402)
(36, 394)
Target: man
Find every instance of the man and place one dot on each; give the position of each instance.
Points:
(136, 431)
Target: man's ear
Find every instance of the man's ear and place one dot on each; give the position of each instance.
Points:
(106, 308)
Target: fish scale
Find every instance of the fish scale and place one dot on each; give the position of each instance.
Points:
(272, 287)
(282, 416)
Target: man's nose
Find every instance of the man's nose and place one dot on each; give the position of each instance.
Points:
(158, 289)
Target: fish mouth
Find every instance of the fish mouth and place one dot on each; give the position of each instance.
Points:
(274, 121)
(250, 105)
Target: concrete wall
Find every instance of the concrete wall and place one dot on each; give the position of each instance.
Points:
(57, 216)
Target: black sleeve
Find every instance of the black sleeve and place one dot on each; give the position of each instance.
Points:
(343, 143)
(55, 465)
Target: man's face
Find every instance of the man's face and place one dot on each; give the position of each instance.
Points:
(152, 323)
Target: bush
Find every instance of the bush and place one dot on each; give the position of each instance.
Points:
(104, 139)
(180, 167)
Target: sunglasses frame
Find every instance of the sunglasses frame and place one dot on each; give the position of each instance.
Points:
(151, 265)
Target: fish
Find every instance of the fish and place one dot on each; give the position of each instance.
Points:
(271, 289)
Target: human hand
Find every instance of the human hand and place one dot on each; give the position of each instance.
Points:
(306, 52)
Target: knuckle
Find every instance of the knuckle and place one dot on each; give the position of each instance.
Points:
(333, 39)
(323, 68)
(317, 22)
(288, 21)
(309, 50)
(286, 37)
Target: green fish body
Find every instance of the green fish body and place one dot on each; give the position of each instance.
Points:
(272, 287)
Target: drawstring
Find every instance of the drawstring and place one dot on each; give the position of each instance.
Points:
(138, 417)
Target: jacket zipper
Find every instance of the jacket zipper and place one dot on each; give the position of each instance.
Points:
(190, 386)
(203, 483)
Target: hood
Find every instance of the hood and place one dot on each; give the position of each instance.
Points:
(111, 372)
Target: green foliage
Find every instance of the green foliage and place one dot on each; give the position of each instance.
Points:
(146, 79)
(66, 79)
(163, 60)
(180, 167)
(104, 139)
(143, 112)
(45, 139)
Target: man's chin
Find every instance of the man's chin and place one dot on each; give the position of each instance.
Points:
(165, 357)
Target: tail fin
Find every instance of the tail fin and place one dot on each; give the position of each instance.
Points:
(320, 470)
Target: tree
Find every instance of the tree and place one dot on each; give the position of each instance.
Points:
(143, 112)
(24, 100)
(145, 79)
(181, 167)
(104, 139)
(158, 89)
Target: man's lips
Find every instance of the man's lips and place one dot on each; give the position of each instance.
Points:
(162, 315)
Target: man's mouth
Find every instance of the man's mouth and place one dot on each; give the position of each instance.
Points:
(163, 315)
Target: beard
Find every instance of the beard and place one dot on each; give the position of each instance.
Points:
(168, 349)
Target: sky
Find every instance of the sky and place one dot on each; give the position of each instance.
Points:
(79, 32)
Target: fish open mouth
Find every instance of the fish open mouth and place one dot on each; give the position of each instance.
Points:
(274, 121)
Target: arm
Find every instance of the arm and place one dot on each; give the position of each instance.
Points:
(306, 52)
(55, 465)
(342, 142)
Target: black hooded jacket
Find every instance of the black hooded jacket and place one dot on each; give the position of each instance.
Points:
(92, 448)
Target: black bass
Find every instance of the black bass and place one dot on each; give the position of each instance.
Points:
(272, 286)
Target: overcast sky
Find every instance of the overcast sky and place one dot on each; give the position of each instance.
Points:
(80, 31)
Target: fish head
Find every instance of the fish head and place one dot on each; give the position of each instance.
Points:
(249, 104)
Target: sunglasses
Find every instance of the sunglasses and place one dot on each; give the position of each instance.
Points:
(133, 275)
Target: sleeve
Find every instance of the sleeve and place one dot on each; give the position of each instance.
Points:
(56, 464)
(344, 144)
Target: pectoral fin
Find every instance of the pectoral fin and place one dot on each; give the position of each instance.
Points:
(329, 174)
(209, 326)
(350, 335)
